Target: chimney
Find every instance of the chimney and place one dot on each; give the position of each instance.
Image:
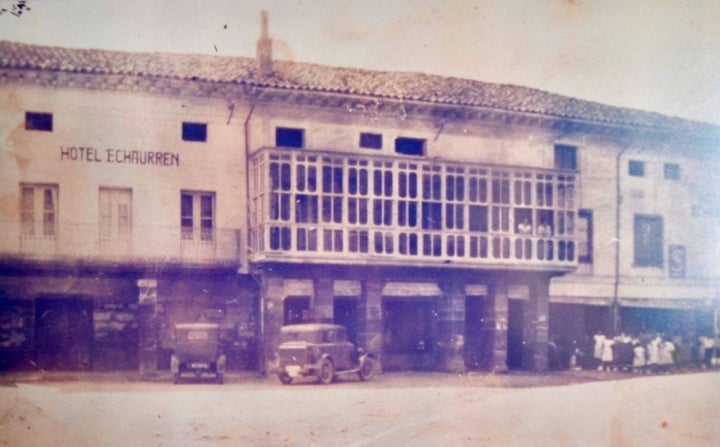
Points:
(264, 48)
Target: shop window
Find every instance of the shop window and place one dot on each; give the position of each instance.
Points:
(289, 137)
(194, 131)
(636, 168)
(672, 171)
(197, 215)
(38, 210)
(370, 140)
(409, 146)
(648, 239)
(296, 310)
(565, 157)
(39, 121)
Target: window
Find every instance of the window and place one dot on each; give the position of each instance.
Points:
(289, 137)
(672, 171)
(584, 231)
(565, 157)
(636, 168)
(409, 146)
(648, 232)
(194, 132)
(39, 121)
(296, 310)
(371, 140)
(197, 216)
(38, 210)
(115, 214)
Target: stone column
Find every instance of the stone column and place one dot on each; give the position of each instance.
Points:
(538, 326)
(148, 339)
(370, 324)
(323, 303)
(451, 327)
(498, 320)
(272, 292)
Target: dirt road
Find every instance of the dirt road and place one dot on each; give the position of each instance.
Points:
(396, 409)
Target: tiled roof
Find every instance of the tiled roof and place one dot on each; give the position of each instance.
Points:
(312, 77)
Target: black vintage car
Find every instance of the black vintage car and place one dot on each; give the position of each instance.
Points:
(197, 352)
(321, 350)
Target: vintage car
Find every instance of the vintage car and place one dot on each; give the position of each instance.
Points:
(321, 350)
(197, 352)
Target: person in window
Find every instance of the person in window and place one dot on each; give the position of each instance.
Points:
(544, 229)
(524, 227)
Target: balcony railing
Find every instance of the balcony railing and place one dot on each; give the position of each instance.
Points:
(332, 207)
(74, 241)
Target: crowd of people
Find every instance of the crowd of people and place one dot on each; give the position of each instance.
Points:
(642, 353)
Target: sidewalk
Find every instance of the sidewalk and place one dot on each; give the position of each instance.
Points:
(513, 379)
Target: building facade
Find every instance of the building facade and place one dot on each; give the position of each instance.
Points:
(448, 224)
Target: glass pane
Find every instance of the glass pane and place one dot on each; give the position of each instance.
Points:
(206, 206)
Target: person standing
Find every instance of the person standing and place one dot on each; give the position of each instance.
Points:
(653, 354)
(607, 354)
(667, 350)
(639, 359)
(598, 340)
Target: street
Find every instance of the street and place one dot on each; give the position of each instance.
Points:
(396, 409)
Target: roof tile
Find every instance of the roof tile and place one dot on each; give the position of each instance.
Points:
(312, 77)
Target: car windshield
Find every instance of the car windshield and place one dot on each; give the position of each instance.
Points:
(307, 336)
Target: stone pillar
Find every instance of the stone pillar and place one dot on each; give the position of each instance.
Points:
(370, 324)
(323, 304)
(498, 319)
(148, 339)
(451, 327)
(272, 292)
(537, 325)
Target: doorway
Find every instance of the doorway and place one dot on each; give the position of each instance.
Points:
(478, 349)
(516, 323)
(409, 334)
(64, 333)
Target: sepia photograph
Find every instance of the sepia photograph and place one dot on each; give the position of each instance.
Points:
(359, 223)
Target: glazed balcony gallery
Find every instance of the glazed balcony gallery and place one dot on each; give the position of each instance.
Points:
(319, 205)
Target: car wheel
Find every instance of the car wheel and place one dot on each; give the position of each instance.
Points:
(285, 378)
(367, 369)
(327, 372)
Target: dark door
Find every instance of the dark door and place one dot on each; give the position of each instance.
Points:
(516, 317)
(475, 343)
(409, 334)
(345, 314)
(64, 333)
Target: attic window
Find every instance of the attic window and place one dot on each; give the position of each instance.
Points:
(289, 137)
(194, 131)
(636, 168)
(39, 121)
(672, 171)
(565, 157)
(409, 146)
(371, 140)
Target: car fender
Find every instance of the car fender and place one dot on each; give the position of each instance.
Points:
(365, 356)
